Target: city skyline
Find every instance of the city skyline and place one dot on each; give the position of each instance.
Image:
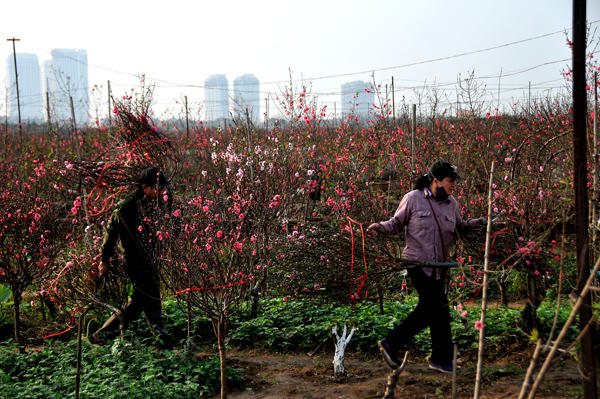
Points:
(65, 76)
(512, 49)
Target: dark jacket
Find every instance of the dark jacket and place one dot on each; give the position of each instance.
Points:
(132, 223)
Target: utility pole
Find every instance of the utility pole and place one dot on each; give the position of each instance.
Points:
(588, 369)
(16, 81)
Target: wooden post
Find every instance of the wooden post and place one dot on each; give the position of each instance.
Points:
(412, 142)
(588, 369)
(595, 153)
(109, 110)
(48, 111)
(13, 40)
(266, 114)
(486, 269)
(187, 119)
(393, 102)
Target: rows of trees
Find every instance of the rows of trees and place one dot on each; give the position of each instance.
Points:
(281, 212)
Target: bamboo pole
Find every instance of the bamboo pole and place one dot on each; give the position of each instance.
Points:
(532, 365)
(580, 301)
(486, 269)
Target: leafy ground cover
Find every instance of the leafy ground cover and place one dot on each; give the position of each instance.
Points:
(119, 371)
(286, 351)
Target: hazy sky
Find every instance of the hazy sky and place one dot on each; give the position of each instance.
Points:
(178, 44)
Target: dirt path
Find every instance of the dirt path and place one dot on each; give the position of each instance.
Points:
(302, 376)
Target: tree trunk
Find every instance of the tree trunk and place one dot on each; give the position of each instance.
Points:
(78, 372)
(17, 308)
(254, 300)
(380, 298)
(503, 293)
(222, 330)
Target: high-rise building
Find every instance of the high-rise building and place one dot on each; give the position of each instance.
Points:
(216, 98)
(66, 78)
(246, 96)
(357, 99)
(30, 89)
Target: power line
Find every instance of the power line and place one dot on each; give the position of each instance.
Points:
(355, 73)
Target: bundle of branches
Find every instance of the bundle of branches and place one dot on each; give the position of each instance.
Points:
(344, 263)
(339, 263)
(77, 287)
(136, 145)
(507, 246)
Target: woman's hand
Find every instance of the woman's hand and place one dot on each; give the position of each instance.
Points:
(374, 229)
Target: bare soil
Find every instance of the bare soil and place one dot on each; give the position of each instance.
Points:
(271, 376)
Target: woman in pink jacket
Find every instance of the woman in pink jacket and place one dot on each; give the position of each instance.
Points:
(431, 215)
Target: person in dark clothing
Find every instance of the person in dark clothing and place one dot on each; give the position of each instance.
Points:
(431, 215)
(131, 222)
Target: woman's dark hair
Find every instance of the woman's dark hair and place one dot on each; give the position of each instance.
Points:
(422, 182)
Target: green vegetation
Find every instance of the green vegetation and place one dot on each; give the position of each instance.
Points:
(121, 371)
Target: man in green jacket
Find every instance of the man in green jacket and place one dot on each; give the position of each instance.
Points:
(132, 222)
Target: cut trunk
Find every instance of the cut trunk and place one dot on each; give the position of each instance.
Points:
(340, 348)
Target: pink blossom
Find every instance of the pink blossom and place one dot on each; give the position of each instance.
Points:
(464, 314)
(478, 325)
(140, 228)
(219, 234)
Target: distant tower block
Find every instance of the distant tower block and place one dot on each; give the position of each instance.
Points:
(357, 99)
(216, 98)
(67, 76)
(30, 88)
(246, 95)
